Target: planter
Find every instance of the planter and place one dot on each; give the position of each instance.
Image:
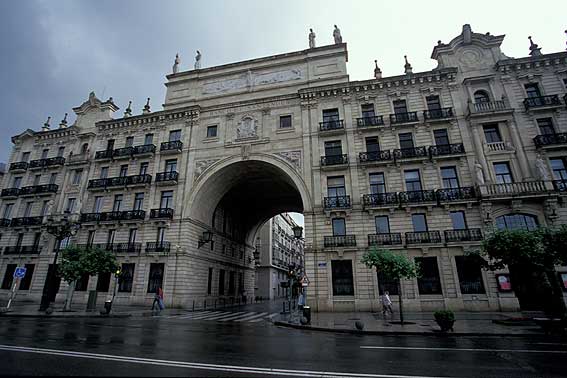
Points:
(445, 319)
(445, 325)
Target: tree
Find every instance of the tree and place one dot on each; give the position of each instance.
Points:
(77, 262)
(393, 266)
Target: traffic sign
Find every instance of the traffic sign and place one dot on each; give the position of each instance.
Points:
(20, 272)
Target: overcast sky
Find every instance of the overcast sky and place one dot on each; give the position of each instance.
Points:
(54, 52)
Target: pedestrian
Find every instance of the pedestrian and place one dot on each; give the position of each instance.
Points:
(158, 298)
(301, 301)
(386, 304)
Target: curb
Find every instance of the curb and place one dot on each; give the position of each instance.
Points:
(45, 316)
(402, 333)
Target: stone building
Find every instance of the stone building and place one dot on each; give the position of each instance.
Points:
(276, 249)
(424, 163)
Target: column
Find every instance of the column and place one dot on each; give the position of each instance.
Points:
(520, 152)
(479, 151)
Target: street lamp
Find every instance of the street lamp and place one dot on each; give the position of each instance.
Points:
(60, 228)
(206, 238)
(297, 232)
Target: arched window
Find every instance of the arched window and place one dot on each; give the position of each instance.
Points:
(84, 148)
(516, 222)
(481, 96)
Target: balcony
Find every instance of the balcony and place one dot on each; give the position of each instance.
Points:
(489, 107)
(38, 189)
(498, 147)
(26, 221)
(145, 149)
(385, 239)
(104, 155)
(171, 147)
(438, 114)
(339, 241)
(517, 189)
(20, 166)
(339, 202)
(540, 102)
(123, 153)
(410, 153)
(119, 181)
(4, 222)
(76, 159)
(332, 125)
(408, 117)
(165, 213)
(10, 192)
(465, 193)
(375, 156)
(126, 247)
(110, 216)
(550, 140)
(466, 235)
(380, 199)
(417, 196)
(423, 237)
(560, 185)
(333, 160)
(163, 246)
(370, 121)
(46, 163)
(167, 177)
(22, 250)
(446, 150)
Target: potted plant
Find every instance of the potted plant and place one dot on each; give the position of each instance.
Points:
(445, 319)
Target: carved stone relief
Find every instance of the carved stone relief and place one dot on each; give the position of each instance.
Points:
(202, 165)
(247, 128)
(294, 157)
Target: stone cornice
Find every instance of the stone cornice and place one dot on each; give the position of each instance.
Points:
(49, 134)
(152, 118)
(531, 62)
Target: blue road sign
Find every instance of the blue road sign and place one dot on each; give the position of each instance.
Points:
(20, 272)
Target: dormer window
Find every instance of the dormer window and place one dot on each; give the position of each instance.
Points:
(480, 97)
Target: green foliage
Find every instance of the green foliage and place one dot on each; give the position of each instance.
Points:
(77, 261)
(555, 244)
(513, 247)
(392, 265)
(444, 315)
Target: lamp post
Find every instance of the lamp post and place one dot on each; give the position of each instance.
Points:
(60, 228)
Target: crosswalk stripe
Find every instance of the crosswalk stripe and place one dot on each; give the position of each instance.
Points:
(224, 315)
(272, 315)
(193, 314)
(242, 315)
(257, 320)
(206, 316)
(252, 317)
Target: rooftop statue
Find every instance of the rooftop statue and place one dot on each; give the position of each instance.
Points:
(311, 39)
(337, 35)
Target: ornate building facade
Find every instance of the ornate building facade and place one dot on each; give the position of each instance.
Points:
(424, 163)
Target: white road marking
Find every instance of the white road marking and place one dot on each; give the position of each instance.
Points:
(224, 315)
(205, 316)
(201, 366)
(257, 320)
(252, 317)
(272, 315)
(467, 349)
(193, 314)
(242, 315)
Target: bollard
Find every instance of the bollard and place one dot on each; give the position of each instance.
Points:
(193, 305)
(215, 304)
(205, 304)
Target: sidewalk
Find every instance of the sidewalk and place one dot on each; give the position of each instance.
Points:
(418, 323)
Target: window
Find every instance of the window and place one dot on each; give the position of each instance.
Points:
(103, 282)
(441, 137)
(20, 240)
(517, 222)
(138, 201)
(156, 277)
(285, 122)
(25, 156)
(532, 90)
(123, 170)
(77, 174)
(160, 237)
(110, 237)
(330, 115)
(110, 144)
(61, 151)
(8, 276)
(44, 208)
(91, 237)
(36, 240)
(480, 97)
(400, 107)
(429, 282)
(149, 139)
(171, 165)
(470, 276)
(231, 282)
(385, 283)
(36, 179)
(129, 141)
(17, 182)
(240, 283)
(144, 168)
(377, 183)
(70, 205)
(210, 282)
(166, 201)
(98, 202)
(126, 278)
(382, 224)
(82, 283)
(117, 202)
(221, 282)
(545, 126)
(419, 222)
(342, 277)
(44, 153)
(28, 209)
(8, 210)
(433, 104)
(503, 174)
(64, 243)
(336, 186)
(559, 168)
(491, 133)
(339, 227)
(406, 140)
(372, 144)
(53, 178)
(367, 110)
(25, 283)
(413, 180)
(132, 236)
(450, 178)
(212, 131)
(84, 148)
(174, 135)
(333, 148)
(104, 172)
(458, 219)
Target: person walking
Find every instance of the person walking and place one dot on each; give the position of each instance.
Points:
(386, 304)
(158, 298)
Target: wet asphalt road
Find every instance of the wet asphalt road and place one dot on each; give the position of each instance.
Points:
(172, 346)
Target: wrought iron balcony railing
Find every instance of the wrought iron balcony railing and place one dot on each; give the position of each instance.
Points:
(447, 149)
(113, 216)
(19, 166)
(560, 185)
(119, 181)
(550, 139)
(173, 146)
(423, 237)
(126, 247)
(380, 199)
(456, 194)
(48, 162)
(417, 196)
(331, 125)
(10, 192)
(340, 241)
(403, 117)
(469, 234)
(438, 114)
(22, 250)
(5, 222)
(123, 152)
(393, 238)
(167, 176)
(408, 153)
(338, 202)
(26, 221)
(541, 101)
(104, 154)
(370, 121)
(161, 213)
(144, 149)
(366, 157)
(163, 246)
(334, 160)
(38, 189)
